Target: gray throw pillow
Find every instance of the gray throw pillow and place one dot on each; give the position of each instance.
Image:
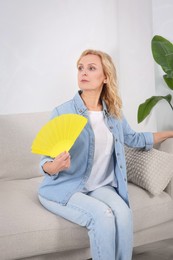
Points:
(152, 170)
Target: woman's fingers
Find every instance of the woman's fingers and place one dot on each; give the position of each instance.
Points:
(63, 156)
(62, 161)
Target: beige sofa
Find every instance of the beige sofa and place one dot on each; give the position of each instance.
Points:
(28, 231)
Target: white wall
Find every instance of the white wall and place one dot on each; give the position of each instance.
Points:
(40, 43)
(135, 59)
(42, 39)
(163, 25)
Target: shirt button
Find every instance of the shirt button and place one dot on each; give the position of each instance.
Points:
(125, 179)
(118, 154)
(116, 140)
(121, 166)
(111, 127)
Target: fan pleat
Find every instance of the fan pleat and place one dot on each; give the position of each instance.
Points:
(58, 135)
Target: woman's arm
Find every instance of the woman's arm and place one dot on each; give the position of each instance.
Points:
(61, 162)
(161, 136)
(143, 139)
(135, 139)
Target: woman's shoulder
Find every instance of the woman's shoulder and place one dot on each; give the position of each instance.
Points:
(64, 108)
(64, 105)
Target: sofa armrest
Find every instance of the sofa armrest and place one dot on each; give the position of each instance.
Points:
(169, 188)
(167, 146)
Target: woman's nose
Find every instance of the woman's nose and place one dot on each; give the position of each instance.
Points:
(84, 72)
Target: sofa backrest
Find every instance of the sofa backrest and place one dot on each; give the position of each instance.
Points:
(17, 133)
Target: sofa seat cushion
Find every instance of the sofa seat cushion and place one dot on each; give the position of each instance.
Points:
(149, 210)
(29, 229)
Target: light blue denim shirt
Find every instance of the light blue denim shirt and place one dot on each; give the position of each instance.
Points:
(61, 186)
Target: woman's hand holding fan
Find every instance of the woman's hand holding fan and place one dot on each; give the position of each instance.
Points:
(60, 163)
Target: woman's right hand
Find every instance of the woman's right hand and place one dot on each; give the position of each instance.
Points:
(60, 163)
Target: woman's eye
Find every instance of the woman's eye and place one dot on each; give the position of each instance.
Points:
(92, 68)
(80, 68)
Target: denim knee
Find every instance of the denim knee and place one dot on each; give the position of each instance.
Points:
(102, 218)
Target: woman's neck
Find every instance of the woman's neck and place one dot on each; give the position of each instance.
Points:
(92, 101)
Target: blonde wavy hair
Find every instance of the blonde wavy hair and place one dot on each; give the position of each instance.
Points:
(110, 91)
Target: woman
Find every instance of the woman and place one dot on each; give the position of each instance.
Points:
(88, 185)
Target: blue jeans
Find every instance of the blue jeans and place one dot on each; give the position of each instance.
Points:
(107, 218)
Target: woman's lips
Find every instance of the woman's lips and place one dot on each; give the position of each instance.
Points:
(84, 80)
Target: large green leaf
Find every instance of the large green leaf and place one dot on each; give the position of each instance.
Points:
(146, 107)
(169, 81)
(162, 50)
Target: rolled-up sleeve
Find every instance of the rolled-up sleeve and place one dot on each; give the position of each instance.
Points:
(43, 160)
(136, 139)
(149, 140)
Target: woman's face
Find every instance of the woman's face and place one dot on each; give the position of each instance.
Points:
(90, 73)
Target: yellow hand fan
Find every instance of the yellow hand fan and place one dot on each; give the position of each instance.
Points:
(58, 135)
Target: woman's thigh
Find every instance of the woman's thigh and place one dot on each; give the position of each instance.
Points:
(80, 209)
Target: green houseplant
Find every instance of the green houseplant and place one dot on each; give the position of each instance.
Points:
(162, 51)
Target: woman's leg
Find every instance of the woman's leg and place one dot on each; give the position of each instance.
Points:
(123, 219)
(96, 216)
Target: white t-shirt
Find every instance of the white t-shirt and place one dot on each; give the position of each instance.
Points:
(103, 167)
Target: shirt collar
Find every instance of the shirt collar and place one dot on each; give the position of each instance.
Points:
(81, 106)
